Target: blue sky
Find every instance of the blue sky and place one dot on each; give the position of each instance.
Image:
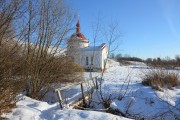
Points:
(149, 28)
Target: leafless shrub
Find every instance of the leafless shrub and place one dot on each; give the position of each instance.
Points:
(48, 23)
(50, 71)
(159, 78)
(30, 35)
(10, 84)
(10, 54)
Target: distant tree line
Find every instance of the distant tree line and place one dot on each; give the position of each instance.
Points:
(164, 62)
(122, 58)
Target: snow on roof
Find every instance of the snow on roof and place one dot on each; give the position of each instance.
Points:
(94, 48)
(57, 51)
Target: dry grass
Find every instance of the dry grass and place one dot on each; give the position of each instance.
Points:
(159, 78)
(125, 63)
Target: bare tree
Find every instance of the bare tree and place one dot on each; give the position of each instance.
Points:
(48, 23)
(31, 34)
(10, 53)
(111, 34)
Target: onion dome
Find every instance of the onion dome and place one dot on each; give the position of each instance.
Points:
(78, 35)
(78, 27)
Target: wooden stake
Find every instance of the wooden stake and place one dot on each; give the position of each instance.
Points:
(59, 98)
(82, 90)
(96, 82)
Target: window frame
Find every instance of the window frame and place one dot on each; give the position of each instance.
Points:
(87, 60)
(92, 60)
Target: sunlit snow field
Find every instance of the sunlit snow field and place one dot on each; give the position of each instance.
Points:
(118, 81)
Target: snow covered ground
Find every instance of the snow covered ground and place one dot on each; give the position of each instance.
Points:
(123, 84)
(29, 109)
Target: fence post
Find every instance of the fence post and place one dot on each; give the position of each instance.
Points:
(59, 98)
(93, 82)
(96, 82)
(82, 90)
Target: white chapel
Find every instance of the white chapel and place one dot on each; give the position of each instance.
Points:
(89, 57)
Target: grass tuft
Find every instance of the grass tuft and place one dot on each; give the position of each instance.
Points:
(159, 78)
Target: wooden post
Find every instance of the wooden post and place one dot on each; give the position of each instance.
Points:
(96, 82)
(59, 98)
(82, 90)
(93, 82)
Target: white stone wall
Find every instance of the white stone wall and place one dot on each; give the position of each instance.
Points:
(104, 58)
(83, 44)
(77, 43)
(99, 56)
(96, 55)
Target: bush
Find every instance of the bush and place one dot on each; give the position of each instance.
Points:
(50, 70)
(35, 76)
(159, 78)
(10, 85)
(26, 60)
